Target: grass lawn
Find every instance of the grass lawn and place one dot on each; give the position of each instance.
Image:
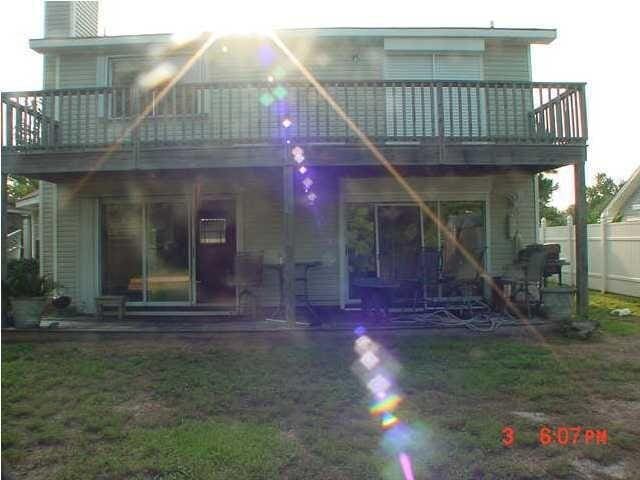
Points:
(270, 407)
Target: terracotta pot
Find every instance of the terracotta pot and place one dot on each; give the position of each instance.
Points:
(27, 311)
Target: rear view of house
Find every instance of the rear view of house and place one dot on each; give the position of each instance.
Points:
(163, 159)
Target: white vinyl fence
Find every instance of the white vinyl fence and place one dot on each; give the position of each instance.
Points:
(614, 254)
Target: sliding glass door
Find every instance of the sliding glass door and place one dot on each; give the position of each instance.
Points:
(385, 240)
(167, 252)
(121, 243)
(145, 250)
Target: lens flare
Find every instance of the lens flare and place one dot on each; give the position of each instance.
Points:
(266, 55)
(279, 92)
(157, 76)
(389, 420)
(375, 368)
(387, 405)
(379, 384)
(307, 182)
(286, 123)
(360, 330)
(312, 197)
(405, 464)
(369, 360)
(266, 99)
(302, 170)
(364, 344)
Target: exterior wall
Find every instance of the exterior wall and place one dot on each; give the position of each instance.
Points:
(46, 227)
(629, 213)
(68, 234)
(327, 59)
(260, 195)
(504, 248)
(77, 71)
(57, 19)
(505, 61)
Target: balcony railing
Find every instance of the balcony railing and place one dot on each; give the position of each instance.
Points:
(252, 113)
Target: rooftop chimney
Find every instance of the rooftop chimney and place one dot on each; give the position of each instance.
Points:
(71, 18)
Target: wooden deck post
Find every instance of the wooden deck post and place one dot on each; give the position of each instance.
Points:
(288, 241)
(4, 219)
(581, 258)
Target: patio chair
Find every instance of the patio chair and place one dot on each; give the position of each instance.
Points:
(247, 279)
(531, 261)
(552, 265)
(403, 269)
(431, 274)
(465, 284)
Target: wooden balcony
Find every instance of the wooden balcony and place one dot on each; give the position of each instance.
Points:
(218, 117)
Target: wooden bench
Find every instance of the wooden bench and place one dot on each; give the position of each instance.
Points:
(116, 301)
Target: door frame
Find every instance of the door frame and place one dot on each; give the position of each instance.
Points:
(236, 198)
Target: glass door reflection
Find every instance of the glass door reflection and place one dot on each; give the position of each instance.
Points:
(167, 252)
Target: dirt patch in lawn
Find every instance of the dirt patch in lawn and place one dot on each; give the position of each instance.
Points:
(144, 411)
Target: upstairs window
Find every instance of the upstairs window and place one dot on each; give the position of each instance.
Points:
(412, 111)
(128, 72)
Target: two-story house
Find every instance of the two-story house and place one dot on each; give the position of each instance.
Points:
(162, 158)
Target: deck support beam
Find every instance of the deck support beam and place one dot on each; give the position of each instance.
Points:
(581, 259)
(288, 242)
(5, 199)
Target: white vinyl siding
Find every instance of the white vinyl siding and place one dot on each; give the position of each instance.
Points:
(57, 17)
(507, 61)
(631, 211)
(325, 59)
(68, 234)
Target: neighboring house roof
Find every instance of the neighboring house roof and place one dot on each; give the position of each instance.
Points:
(618, 202)
(30, 201)
(528, 35)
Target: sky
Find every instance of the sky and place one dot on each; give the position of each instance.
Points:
(597, 44)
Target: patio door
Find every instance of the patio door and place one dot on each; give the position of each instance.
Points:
(145, 250)
(216, 247)
(167, 251)
(385, 239)
(399, 241)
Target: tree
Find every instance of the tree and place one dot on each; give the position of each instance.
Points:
(546, 187)
(18, 187)
(599, 195)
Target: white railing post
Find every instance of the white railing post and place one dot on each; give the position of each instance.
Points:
(26, 237)
(572, 249)
(605, 253)
(543, 233)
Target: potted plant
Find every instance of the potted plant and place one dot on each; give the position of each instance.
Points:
(28, 292)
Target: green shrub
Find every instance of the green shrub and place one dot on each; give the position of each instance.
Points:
(24, 280)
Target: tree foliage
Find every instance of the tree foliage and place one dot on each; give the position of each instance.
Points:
(599, 195)
(546, 187)
(18, 186)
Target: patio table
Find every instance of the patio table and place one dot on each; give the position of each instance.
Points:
(304, 267)
(376, 294)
